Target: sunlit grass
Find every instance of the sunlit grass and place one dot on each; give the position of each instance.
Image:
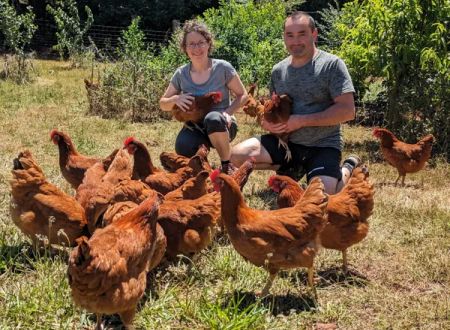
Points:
(400, 273)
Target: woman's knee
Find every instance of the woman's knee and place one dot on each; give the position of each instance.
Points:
(215, 122)
(187, 142)
(185, 148)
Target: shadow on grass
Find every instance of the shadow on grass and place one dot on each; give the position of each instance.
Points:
(392, 184)
(21, 258)
(335, 275)
(277, 304)
(110, 322)
(327, 277)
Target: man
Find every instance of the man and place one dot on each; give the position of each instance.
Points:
(322, 93)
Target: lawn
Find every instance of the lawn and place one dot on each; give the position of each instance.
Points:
(399, 278)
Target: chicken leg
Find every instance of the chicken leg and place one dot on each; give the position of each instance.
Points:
(127, 318)
(99, 325)
(284, 144)
(311, 281)
(265, 290)
(344, 261)
(403, 179)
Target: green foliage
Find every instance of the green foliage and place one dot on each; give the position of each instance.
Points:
(405, 43)
(249, 35)
(131, 87)
(70, 32)
(18, 31)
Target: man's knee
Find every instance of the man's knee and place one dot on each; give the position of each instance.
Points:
(242, 151)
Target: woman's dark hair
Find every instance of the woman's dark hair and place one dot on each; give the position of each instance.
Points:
(199, 27)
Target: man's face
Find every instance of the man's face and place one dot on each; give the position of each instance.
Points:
(299, 37)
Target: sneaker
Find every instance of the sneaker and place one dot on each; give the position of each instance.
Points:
(228, 169)
(352, 162)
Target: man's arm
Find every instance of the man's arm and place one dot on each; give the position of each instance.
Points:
(341, 111)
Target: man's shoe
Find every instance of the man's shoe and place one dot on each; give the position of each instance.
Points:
(352, 162)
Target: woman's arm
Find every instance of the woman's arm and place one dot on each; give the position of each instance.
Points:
(235, 85)
(172, 97)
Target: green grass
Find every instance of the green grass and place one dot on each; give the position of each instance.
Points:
(400, 273)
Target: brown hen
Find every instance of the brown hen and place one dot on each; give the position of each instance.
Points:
(172, 161)
(108, 273)
(348, 210)
(253, 107)
(193, 188)
(189, 225)
(278, 110)
(73, 165)
(198, 109)
(39, 208)
(274, 239)
(405, 157)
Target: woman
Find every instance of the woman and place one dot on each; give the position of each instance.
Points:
(198, 77)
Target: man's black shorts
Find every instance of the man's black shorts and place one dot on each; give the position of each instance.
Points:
(312, 161)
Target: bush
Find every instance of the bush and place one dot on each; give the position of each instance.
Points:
(70, 34)
(18, 31)
(131, 87)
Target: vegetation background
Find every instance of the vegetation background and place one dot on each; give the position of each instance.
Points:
(398, 54)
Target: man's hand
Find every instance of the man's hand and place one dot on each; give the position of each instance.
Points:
(183, 101)
(294, 123)
(273, 128)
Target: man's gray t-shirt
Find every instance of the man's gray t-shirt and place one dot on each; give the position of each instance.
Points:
(313, 88)
(221, 74)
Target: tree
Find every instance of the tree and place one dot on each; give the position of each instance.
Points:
(70, 34)
(406, 44)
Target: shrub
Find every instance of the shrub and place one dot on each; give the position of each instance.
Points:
(70, 34)
(18, 31)
(132, 86)
(405, 44)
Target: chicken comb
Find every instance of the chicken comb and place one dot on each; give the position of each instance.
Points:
(214, 174)
(53, 133)
(128, 140)
(271, 180)
(217, 97)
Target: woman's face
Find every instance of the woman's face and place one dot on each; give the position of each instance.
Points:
(196, 46)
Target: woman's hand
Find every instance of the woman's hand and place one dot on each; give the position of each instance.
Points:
(228, 118)
(183, 101)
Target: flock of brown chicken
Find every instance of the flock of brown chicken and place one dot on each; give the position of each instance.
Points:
(128, 215)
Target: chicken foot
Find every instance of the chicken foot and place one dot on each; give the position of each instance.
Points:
(398, 178)
(127, 318)
(284, 144)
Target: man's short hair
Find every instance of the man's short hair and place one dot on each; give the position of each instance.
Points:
(299, 14)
